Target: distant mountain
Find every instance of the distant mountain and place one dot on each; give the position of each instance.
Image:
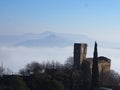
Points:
(45, 39)
(51, 39)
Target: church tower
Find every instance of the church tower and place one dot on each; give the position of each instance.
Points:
(80, 51)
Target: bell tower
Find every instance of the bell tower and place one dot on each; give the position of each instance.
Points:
(80, 51)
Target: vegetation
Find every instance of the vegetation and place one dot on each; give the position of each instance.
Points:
(2, 69)
(12, 83)
(95, 72)
(56, 76)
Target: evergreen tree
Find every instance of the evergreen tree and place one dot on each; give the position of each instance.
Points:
(95, 72)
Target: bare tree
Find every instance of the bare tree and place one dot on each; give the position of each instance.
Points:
(53, 64)
(69, 63)
(32, 68)
(2, 69)
(114, 78)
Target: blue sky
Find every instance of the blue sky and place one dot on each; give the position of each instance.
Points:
(97, 18)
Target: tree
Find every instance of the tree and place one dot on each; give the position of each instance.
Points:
(56, 85)
(114, 78)
(32, 68)
(17, 83)
(69, 63)
(95, 72)
(53, 64)
(12, 82)
(2, 69)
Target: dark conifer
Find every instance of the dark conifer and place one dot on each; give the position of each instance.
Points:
(95, 72)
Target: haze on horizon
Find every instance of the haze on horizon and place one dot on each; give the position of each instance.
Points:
(98, 19)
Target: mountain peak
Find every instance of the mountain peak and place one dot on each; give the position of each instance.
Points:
(47, 38)
(48, 32)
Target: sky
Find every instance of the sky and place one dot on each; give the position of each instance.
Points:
(96, 18)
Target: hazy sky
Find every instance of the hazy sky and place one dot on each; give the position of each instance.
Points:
(99, 19)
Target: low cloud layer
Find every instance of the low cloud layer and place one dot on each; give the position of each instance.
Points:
(16, 58)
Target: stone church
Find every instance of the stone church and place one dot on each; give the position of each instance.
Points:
(80, 51)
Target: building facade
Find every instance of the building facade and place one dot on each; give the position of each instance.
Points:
(80, 52)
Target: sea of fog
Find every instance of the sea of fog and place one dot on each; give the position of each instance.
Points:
(16, 58)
